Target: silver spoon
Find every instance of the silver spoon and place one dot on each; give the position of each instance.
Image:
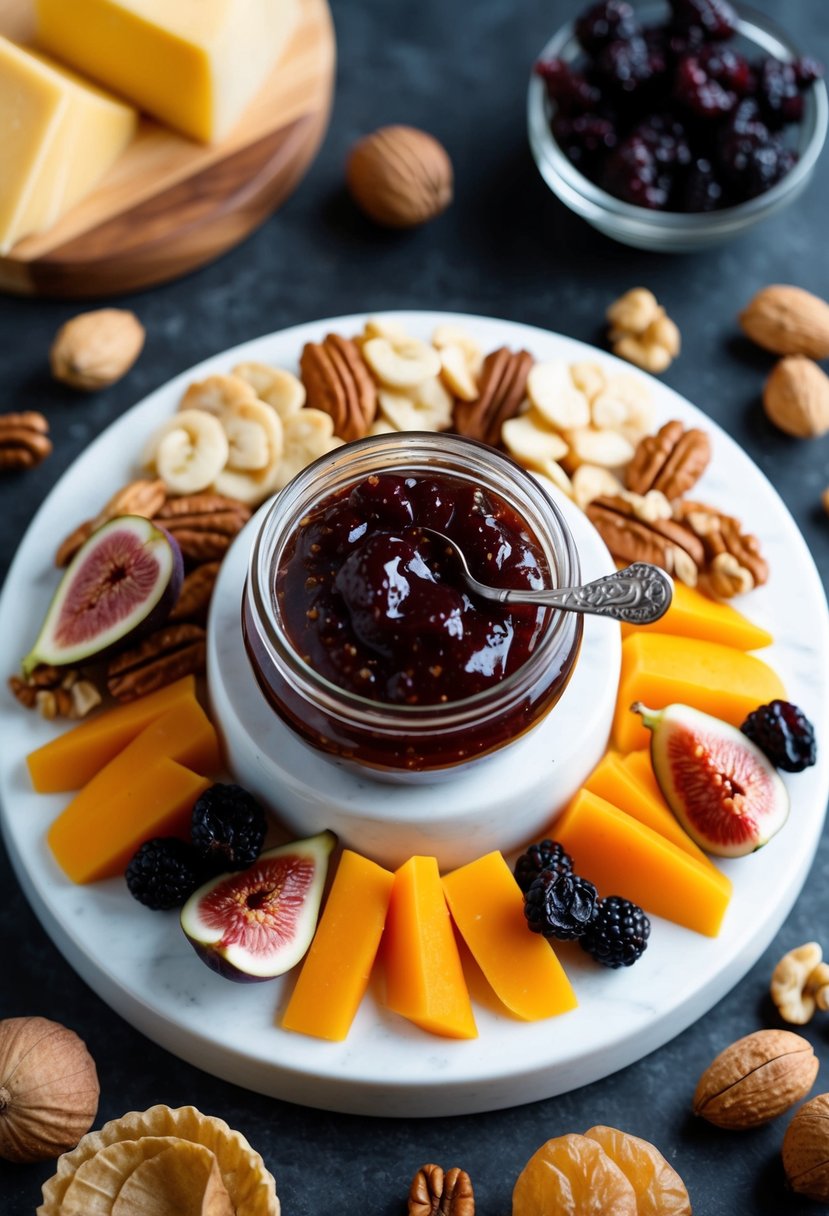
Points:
(638, 595)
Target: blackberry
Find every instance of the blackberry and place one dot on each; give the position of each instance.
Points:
(716, 18)
(607, 21)
(560, 905)
(546, 855)
(784, 733)
(164, 873)
(228, 828)
(618, 935)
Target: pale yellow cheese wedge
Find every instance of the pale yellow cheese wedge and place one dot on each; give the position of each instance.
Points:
(58, 136)
(193, 64)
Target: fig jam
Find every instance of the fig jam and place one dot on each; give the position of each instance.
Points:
(357, 623)
(379, 608)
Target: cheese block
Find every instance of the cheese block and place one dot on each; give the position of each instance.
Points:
(58, 136)
(193, 64)
(424, 974)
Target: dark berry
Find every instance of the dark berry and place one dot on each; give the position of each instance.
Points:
(546, 855)
(702, 190)
(728, 68)
(584, 137)
(607, 21)
(633, 174)
(228, 828)
(570, 90)
(779, 93)
(560, 905)
(667, 139)
(808, 70)
(784, 733)
(700, 92)
(618, 935)
(716, 18)
(164, 873)
(629, 65)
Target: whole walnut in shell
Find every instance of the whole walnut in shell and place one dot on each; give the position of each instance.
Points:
(806, 1150)
(400, 176)
(48, 1089)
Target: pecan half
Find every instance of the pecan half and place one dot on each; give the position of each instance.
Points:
(733, 561)
(158, 660)
(196, 593)
(501, 390)
(338, 382)
(24, 440)
(143, 497)
(204, 525)
(435, 1193)
(630, 538)
(672, 460)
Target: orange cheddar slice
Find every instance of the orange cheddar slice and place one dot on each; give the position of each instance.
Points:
(487, 906)
(68, 762)
(424, 974)
(336, 970)
(184, 734)
(660, 669)
(156, 801)
(613, 781)
(640, 768)
(694, 615)
(624, 857)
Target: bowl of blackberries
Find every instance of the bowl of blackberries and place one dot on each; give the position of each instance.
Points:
(675, 126)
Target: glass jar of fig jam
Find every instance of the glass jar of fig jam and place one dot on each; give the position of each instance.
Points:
(356, 622)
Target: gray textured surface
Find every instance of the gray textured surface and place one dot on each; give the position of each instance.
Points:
(506, 248)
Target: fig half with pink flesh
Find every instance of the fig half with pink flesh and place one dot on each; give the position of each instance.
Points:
(257, 923)
(723, 790)
(123, 581)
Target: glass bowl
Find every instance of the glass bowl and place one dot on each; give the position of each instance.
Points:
(426, 739)
(672, 231)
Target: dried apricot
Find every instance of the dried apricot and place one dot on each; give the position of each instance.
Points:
(659, 1189)
(572, 1176)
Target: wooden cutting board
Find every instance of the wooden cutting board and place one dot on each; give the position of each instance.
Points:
(169, 205)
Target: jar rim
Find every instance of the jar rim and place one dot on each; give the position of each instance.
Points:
(401, 452)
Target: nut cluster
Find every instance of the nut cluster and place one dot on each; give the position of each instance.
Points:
(756, 1079)
(94, 349)
(435, 1192)
(400, 176)
(800, 984)
(791, 322)
(642, 332)
(24, 440)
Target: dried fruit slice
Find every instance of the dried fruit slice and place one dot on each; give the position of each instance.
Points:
(659, 1189)
(124, 579)
(258, 923)
(722, 789)
(249, 1184)
(98, 1183)
(184, 1180)
(572, 1176)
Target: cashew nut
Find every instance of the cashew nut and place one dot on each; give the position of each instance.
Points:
(794, 989)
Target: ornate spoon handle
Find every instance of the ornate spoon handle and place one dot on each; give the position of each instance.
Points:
(638, 594)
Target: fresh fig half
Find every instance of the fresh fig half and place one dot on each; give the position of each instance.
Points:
(257, 923)
(723, 790)
(123, 580)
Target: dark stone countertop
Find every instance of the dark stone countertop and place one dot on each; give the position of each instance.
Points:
(506, 248)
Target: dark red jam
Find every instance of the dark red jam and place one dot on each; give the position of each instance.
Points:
(379, 608)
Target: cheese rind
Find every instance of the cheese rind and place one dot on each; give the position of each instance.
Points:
(58, 136)
(194, 64)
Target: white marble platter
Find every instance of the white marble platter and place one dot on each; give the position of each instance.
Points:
(140, 963)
